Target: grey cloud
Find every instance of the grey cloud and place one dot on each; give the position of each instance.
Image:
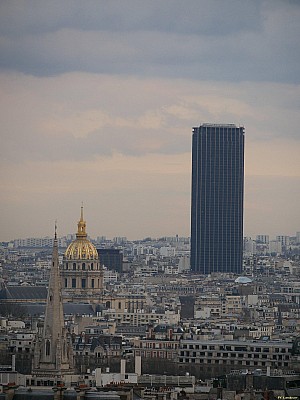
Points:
(195, 16)
(205, 40)
(79, 117)
(104, 142)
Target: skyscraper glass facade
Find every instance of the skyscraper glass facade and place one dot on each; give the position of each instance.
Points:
(217, 198)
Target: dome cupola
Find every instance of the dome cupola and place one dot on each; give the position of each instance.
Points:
(81, 248)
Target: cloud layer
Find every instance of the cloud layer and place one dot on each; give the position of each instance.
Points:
(206, 40)
(98, 100)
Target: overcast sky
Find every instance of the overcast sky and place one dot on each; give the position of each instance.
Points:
(98, 101)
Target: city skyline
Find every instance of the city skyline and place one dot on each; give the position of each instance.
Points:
(47, 241)
(98, 102)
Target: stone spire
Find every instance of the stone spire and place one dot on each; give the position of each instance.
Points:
(53, 352)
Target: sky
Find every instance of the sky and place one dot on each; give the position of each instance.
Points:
(99, 98)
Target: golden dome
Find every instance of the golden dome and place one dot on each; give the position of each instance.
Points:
(81, 248)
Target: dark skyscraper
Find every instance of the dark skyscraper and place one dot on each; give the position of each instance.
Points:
(217, 198)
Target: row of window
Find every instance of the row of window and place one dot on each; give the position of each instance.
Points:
(236, 348)
(232, 355)
(158, 354)
(160, 345)
(230, 362)
(82, 266)
(75, 283)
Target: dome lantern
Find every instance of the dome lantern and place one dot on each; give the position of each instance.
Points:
(81, 232)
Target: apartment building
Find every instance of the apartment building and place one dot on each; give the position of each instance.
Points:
(206, 358)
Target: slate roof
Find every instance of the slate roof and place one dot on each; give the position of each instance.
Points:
(162, 328)
(34, 308)
(130, 330)
(69, 308)
(37, 293)
(78, 309)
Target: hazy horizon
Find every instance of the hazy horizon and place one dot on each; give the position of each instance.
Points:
(98, 102)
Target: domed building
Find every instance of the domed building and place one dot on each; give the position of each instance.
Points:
(81, 272)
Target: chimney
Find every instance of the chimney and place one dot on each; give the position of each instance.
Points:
(13, 363)
(138, 365)
(123, 369)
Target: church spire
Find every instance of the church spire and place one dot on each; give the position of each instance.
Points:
(54, 318)
(53, 354)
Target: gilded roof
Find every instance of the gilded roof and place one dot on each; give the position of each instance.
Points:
(81, 248)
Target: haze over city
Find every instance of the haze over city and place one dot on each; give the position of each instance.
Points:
(98, 101)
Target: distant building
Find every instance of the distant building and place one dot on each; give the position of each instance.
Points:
(217, 198)
(111, 258)
(249, 246)
(39, 242)
(275, 246)
(285, 240)
(210, 358)
(184, 263)
(262, 239)
(167, 251)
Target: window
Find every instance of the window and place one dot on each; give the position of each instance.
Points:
(74, 266)
(83, 283)
(74, 283)
(48, 348)
(93, 283)
(66, 282)
(83, 266)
